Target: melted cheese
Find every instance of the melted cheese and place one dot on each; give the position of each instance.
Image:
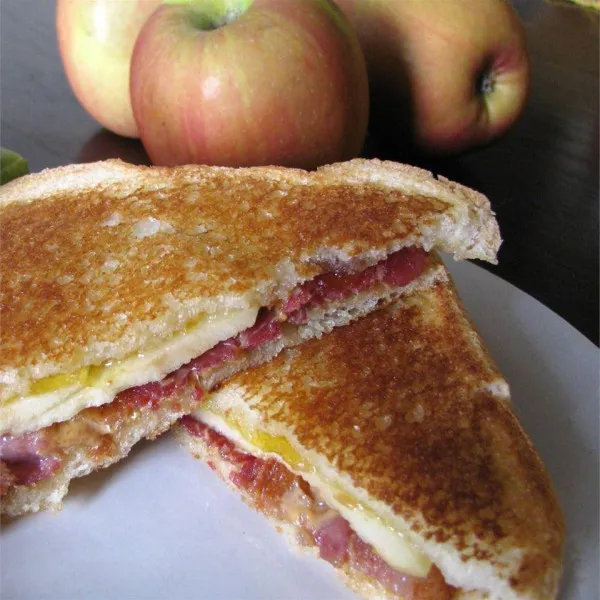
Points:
(390, 543)
(60, 397)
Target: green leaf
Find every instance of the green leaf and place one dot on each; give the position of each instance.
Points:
(12, 165)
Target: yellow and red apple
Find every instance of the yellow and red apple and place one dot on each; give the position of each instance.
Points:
(96, 39)
(236, 82)
(447, 74)
(283, 81)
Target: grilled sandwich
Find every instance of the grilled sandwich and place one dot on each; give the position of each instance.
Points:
(129, 291)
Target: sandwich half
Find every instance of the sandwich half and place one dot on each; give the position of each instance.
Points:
(389, 449)
(127, 291)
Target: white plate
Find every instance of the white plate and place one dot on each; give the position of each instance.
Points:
(161, 525)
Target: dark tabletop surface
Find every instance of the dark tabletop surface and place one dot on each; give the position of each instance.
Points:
(542, 178)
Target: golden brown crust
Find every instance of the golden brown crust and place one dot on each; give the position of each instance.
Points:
(100, 260)
(407, 406)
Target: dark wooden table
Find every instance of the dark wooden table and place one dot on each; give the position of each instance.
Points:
(542, 178)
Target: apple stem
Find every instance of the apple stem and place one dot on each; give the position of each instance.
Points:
(209, 15)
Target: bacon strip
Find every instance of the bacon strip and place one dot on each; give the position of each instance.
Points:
(398, 269)
(24, 461)
(266, 329)
(274, 490)
(222, 352)
(333, 540)
(31, 460)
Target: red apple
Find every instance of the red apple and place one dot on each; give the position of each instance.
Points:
(452, 73)
(96, 39)
(234, 82)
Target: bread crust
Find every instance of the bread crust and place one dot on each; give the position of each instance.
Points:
(406, 409)
(102, 259)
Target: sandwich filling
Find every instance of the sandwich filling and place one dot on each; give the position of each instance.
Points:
(344, 538)
(34, 454)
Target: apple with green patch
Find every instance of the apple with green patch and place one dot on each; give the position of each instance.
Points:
(445, 75)
(241, 82)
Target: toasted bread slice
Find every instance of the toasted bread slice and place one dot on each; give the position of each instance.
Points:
(402, 417)
(101, 260)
